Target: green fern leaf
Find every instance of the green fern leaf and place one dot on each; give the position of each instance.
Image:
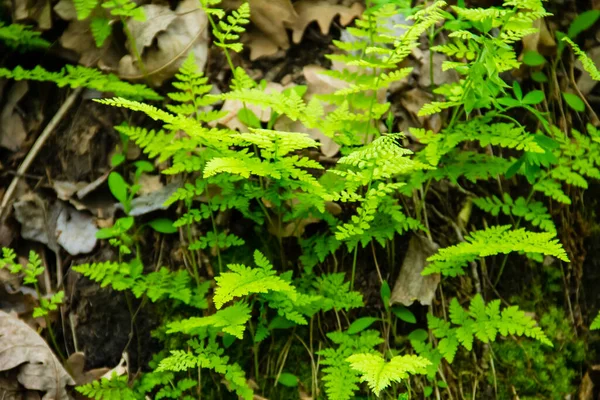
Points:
(243, 280)
(451, 260)
(231, 320)
(379, 374)
(595, 323)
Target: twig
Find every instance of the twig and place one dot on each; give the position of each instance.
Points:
(35, 149)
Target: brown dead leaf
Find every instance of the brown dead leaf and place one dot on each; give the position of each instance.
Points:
(260, 45)
(39, 11)
(586, 388)
(440, 76)
(65, 9)
(78, 38)
(411, 285)
(413, 100)
(22, 349)
(75, 365)
(542, 41)
(323, 12)
(12, 128)
(271, 16)
(174, 38)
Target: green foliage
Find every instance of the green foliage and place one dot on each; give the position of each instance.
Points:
(538, 371)
(115, 388)
(84, 7)
(158, 285)
(483, 322)
(78, 76)
(243, 280)
(20, 37)
(595, 323)
(341, 380)
(534, 212)
(451, 260)
(379, 374)
(229, 30)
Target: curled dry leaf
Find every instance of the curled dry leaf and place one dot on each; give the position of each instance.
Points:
(411, 285)
(12, 128)
(22, 349)
(323, 12)
(271, 18)
(175, 34)
(76, 363)
(56, 225)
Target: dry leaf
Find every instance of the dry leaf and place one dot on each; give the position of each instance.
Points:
(75, 231)
(323, 12)
(57, 225)
(78, 37)
(12, 128)
(75, 365)
(413, 100)
(187, 32)
(411, 285)
(152, 201)
(542, 41)
(271, 16)
(158, 19)
(37, 367)
(260, 45)
(65, 9)
(36, 10)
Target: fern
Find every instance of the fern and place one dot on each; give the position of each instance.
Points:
(451, 260)
(227, 32)
(101, 30)
(244, 280)
(483, 322)
(534, 212)
(595, 323)
(341, 380)
(125, 9)
(379, 374)
(231, 320)
(115, 388)
(17, 36)
(84, 7)
(587, 63)
(336, 293)
(78, 76)
(158, 285)
(206, 353)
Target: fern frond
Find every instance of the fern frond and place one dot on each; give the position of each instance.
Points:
(115, 388)
(84, 7)
(101, 30)
(341, 381)
(243, 280)
(483, 322)
(231, 320)
(587, 62)
(533, 211)
(78, 76)
(230, 31)
(21, 37)
(379, 374)
(595, 323)
(336, 292)
(451, 260)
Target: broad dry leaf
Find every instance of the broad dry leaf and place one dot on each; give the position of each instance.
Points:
(158, 18)
(187, 32)
(271, 16)
(323, 12)
(39, 11)
(21, 348)
(78, 38)
(411, 285)
(75, 231)
(12, 128)
(76, 363)
(259, 45)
